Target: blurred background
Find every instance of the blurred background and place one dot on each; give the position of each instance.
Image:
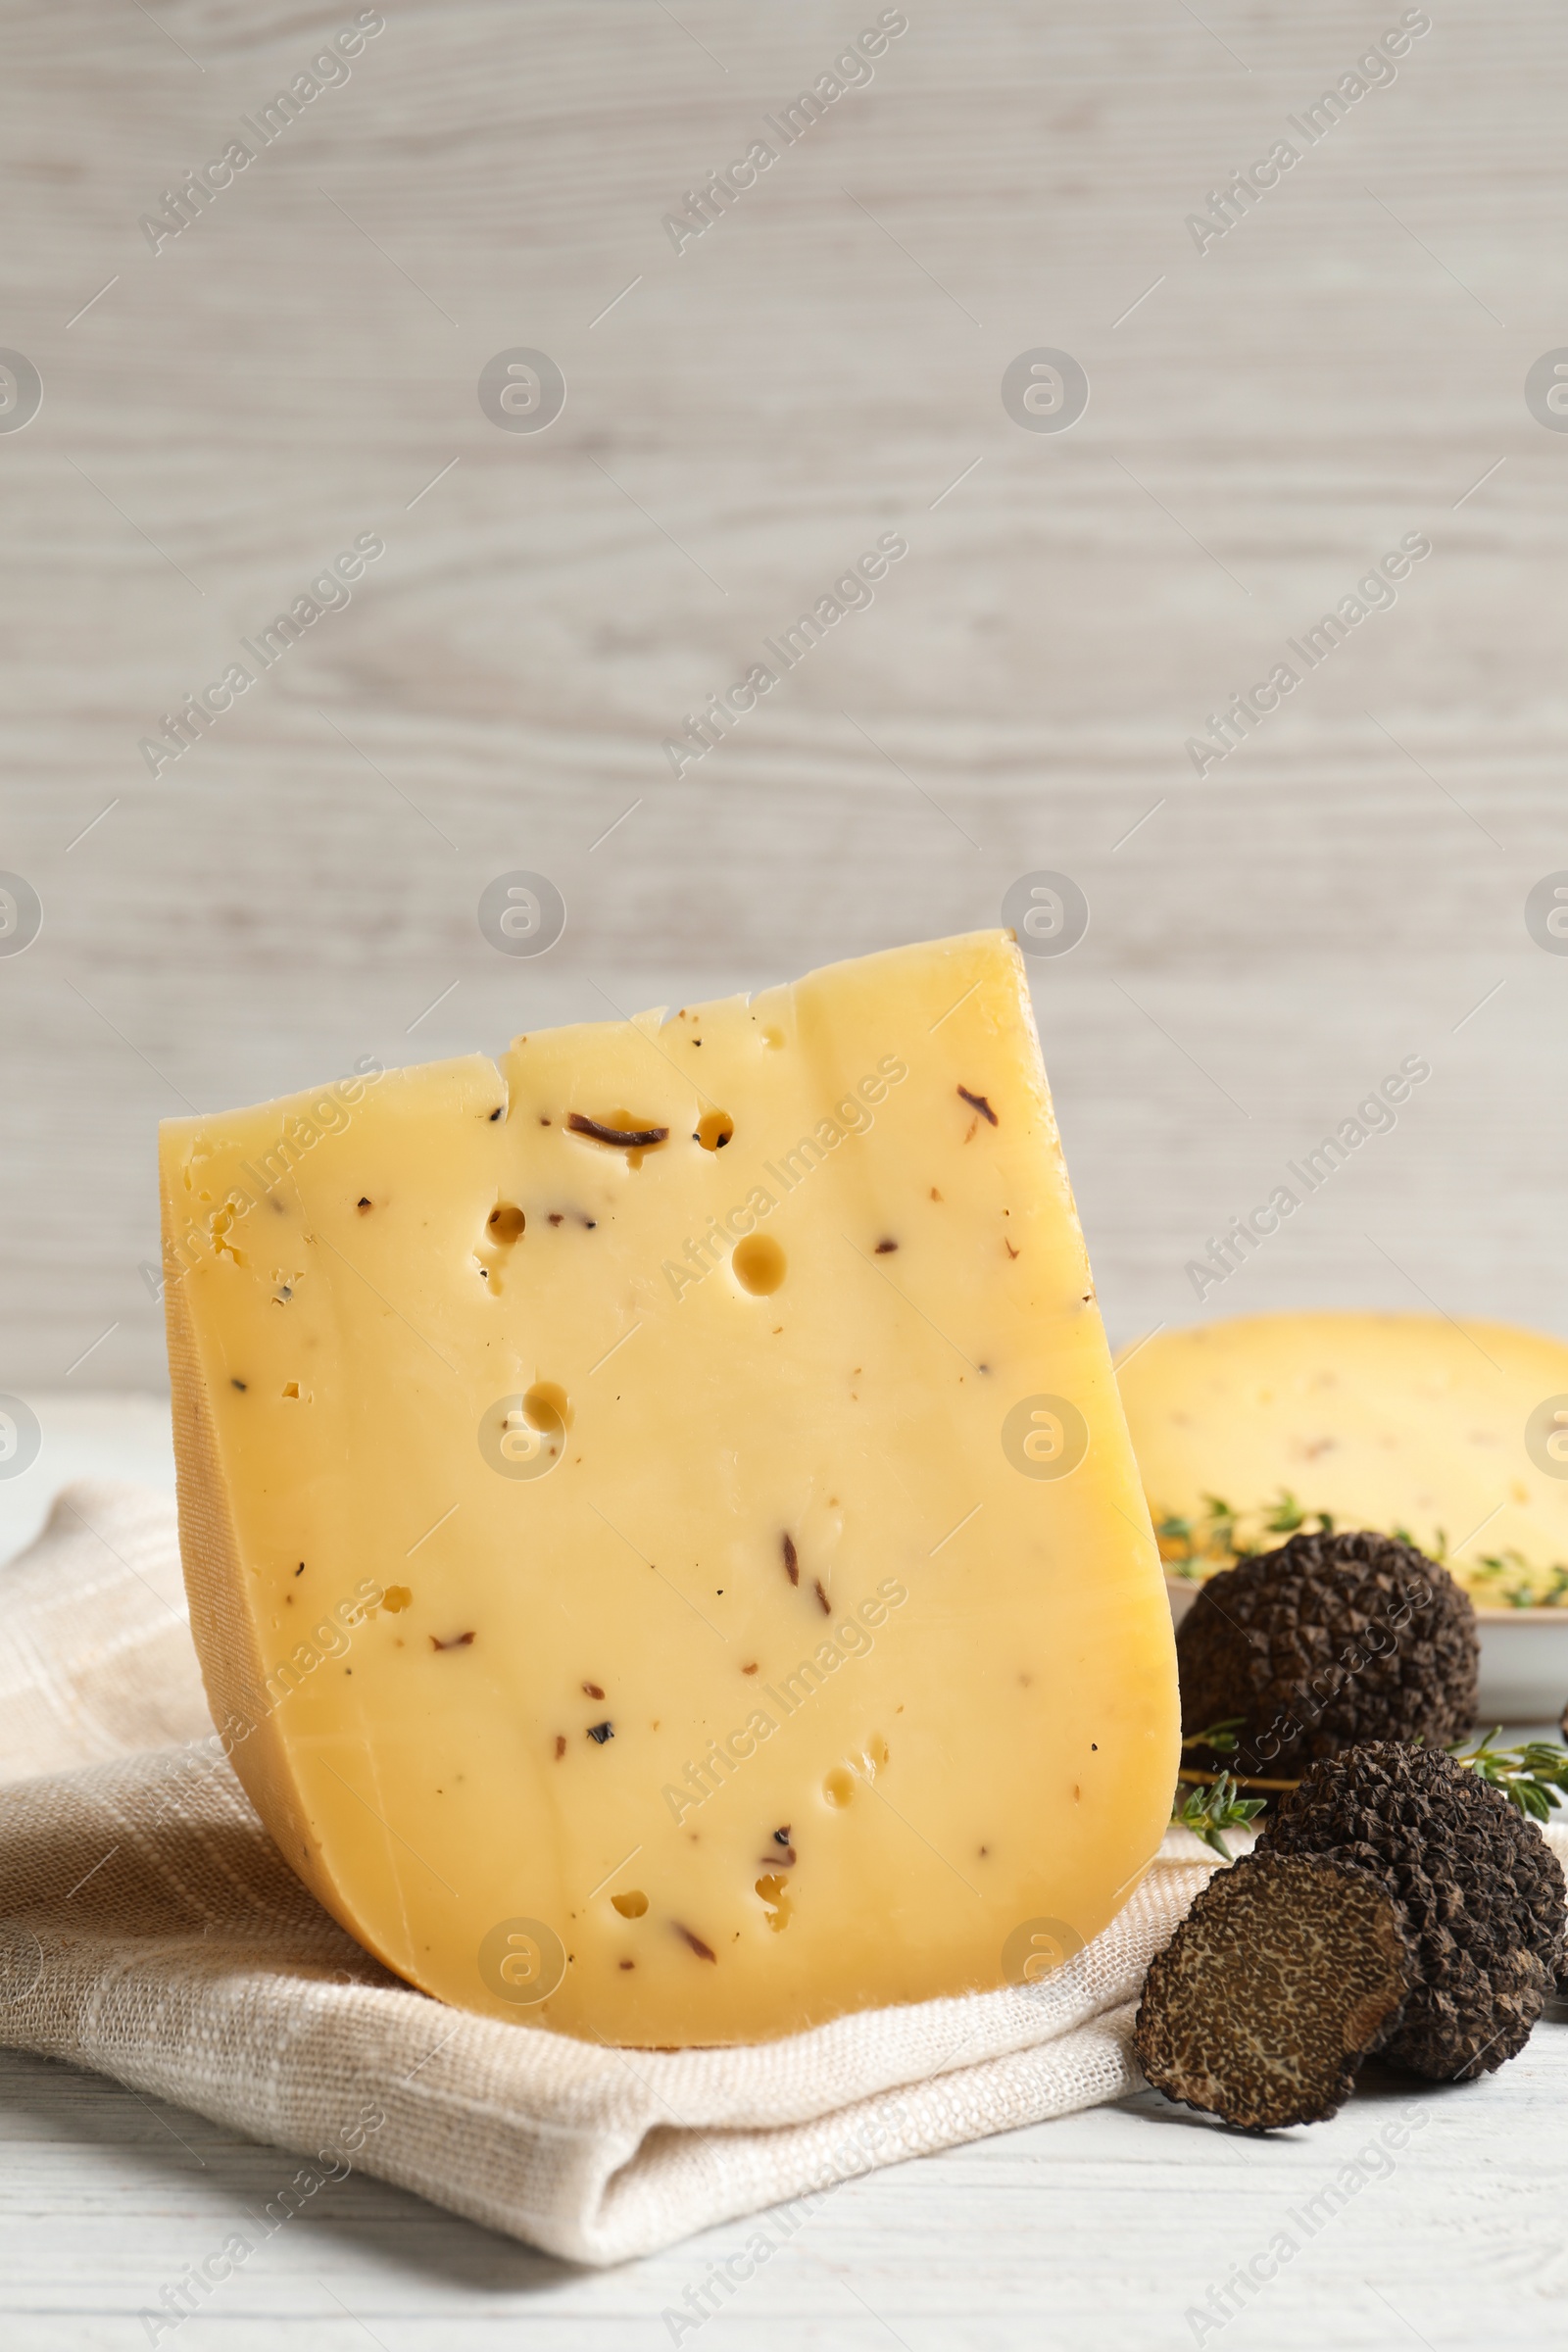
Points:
(997, 292)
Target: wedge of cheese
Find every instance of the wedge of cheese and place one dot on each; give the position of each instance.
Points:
(1455, 1437)
(661, 1536)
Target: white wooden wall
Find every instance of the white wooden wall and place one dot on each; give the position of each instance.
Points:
(1271, 416)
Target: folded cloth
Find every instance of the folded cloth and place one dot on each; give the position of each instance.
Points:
(150, 1929)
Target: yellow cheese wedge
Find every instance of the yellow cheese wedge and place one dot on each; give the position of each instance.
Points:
(660, 1530)
(1454, 1437)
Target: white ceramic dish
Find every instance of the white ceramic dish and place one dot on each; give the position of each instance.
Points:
(1523, 1659)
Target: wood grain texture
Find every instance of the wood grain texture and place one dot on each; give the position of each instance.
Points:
(1105, 2229)
(301, 364)
(819, 367)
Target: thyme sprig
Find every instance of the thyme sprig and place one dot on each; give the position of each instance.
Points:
(1189, 1776)
(1531, 1777)
(1524, 1591)
(1219, 1738)
(1195, 1545)
(1216, 1535)
(1208, 1811)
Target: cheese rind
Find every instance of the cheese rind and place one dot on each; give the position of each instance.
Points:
(1454, 1437)
(626, 1599)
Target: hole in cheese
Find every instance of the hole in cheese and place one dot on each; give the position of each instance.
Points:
(839, 1787)
(546, 1407)
(773, 1890)
(758, 1265)
(715, 1129)
(632, 1905)
(505, 1223)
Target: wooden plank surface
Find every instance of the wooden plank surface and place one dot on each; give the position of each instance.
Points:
(744, 417)
(1105, 2229)
(297, 366)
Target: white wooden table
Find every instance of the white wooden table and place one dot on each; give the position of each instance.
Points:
(301, 364)
(1099, 2230)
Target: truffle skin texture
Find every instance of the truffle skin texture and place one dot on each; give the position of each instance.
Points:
(1328, 1643)
(1481, 1890)
(1285, 1973)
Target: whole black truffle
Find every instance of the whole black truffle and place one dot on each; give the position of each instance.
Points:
(1480, 1892)
(1329, 1641)
(1285, 1973)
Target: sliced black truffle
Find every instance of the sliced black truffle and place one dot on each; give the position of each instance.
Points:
(1283, 1976)
(1480, 1892)
(1330, 1642)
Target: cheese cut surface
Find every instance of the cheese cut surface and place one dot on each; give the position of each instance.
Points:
(1455, 1437)
(662, 1541)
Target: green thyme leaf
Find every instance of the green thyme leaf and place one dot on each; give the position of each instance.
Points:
(1532, 1777)
(1207, 1812)
(1287, 1515)
(1220, 1737)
